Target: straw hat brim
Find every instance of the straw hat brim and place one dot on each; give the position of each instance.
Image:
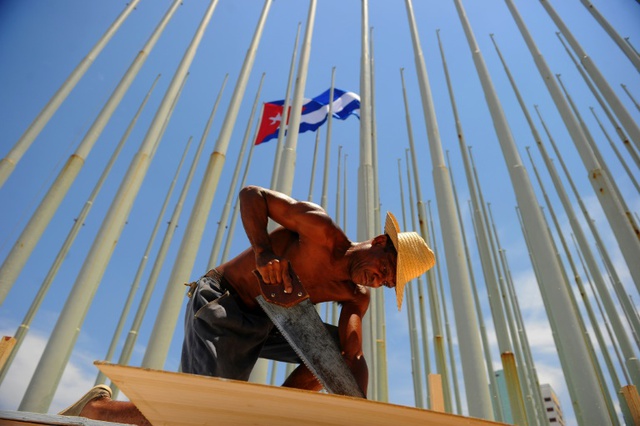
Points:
(414, 255)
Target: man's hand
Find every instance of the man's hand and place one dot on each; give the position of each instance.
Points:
(275, 271)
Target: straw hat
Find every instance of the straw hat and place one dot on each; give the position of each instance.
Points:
(414, 256)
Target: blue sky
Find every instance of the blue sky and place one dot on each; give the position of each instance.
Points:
(42, 42)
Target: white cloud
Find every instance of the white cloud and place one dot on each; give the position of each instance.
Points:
(77, 378)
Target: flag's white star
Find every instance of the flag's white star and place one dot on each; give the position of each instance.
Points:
(277, 118)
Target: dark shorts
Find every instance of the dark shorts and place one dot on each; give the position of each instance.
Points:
(223, 339)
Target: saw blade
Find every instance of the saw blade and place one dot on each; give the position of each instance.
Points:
(304, 330)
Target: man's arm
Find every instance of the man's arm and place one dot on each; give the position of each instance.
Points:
(309, 220)
(350, 330)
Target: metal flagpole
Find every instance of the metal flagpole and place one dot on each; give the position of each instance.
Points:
(236, 207)
(366, 208)
(8, 164)
(232, 193)
(624, 87)
(529, 365)
(381, 333)
(605, 320)
(585, 299)
(23, 329)
(623, 115)
(596, 151)
(437, 333)
(589, 256)
(101, 377)
(285, 113)
(288, 161)
(334, 306)
(447, 325)
(416, 370)
(338, 191)
(132, 336)
(492, 250)
(616, 151)
(374, 159)
(435, 308)
(476, 300)
(631, 54)
(327, 148)
(621, 134)
(165, 324)
(313, 167)
(602, 185)
(489, 267)
(17, 257)
(556, 297)
(556, 180)
(58, 350)
(477, 386)
(497, 403)
(628, 418)
(436, 322)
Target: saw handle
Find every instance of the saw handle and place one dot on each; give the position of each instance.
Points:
(275, 294)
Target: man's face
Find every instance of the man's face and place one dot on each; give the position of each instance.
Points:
(377, 267)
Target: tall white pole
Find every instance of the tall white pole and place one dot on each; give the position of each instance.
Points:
(620, 330)
(17, 257)
(313, 166)
(559, 188)
(596, 94)
(165, 324)
(8, 163)
(327, 148)
(585, 299)
(489, 267)
(615, 149)
(602, 185)
(232, 193)
(288, 163)
(236, 207)
(596, 152)
(285, 113)
(23, 329)
(623, 115)
(437, 331)
(416, 369)
(101, 377)
(556, 296)
(58, 350)
(624, 87)
(628, 51)
(477, 386)
(366, 193)
(132, 336)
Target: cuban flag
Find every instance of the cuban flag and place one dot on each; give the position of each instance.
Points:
(314, 113)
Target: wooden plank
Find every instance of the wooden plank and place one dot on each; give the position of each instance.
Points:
(630, 394)
(23, 418)
(177, 399)
(6, 346)
(435, 392)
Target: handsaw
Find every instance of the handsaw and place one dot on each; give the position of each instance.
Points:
(298, 321)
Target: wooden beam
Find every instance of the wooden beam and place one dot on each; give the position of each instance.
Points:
(435, 391)
(6, 346)
(183, 399)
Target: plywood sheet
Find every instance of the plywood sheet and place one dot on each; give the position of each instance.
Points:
(175, 399)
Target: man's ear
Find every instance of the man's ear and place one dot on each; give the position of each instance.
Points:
(380, 239)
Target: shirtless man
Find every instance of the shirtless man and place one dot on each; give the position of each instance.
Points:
(329, 265)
